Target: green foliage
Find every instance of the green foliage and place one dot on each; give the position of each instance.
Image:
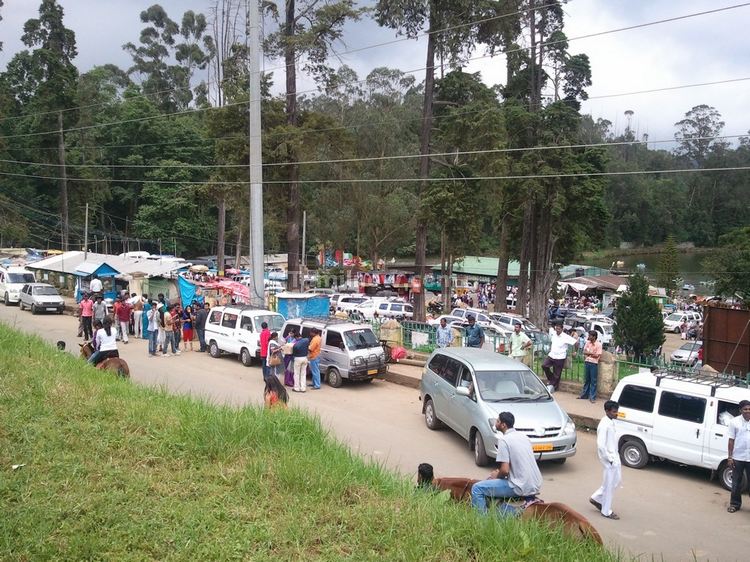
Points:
(668, 268)
(730, 263)
(640, 327)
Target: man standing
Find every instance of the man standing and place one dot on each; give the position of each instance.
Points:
(300, 349)
(313, 358)
(200, 326)
(606, 449)
(123, 319)
(558, 351)
(100, 309)
(87, 312)
(517, 473)
(138, 318)
(265, 335)
(152, 327)
(474, 333)
(95, 285)
(444, 334)
(592, 351)
(520, 346)
(739, 453)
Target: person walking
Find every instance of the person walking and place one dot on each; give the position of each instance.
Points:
(520, 346)
(606, 450)
(138, 331)
(201, 316)
(443, 335)
(123, 319)
(265, 335)
(592, 351)
(517, 473)
(153, 328)
(474, 333)
(299, 351)
(86, 307)
(558, 351)
(739, 454)
(313, 357)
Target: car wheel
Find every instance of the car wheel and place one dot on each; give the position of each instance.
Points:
(61, 311)
(6, 299)
(725, 476)
(33, 309)
(430, 416)
(213, 350)
(676, 330)
(480, 455)
(334, 378)
(20, 305)
(633, 454)
(245, 357)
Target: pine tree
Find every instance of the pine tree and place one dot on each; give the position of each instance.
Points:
(668, 269)
(639, 327)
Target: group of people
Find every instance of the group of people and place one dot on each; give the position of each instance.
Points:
(592, 350)
(295, 353)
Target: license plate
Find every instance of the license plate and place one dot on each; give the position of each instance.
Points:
(542, 447)
(372, 372)
(51, 308)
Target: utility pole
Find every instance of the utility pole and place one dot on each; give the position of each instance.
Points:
(257, 297)
(63, 182)
(302, 268)
(86, 235)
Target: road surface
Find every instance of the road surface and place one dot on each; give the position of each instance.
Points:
(665, 509)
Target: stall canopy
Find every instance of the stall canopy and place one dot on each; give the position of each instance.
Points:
(102, 269)
(302, 305)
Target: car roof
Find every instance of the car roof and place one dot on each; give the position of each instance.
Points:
(480, 359)
(328, 322)
(734, 393)
(39, 285)
(242, 308)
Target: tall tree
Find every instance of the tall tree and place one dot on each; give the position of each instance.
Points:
(668, 267)
(640, 327)
(730, 264)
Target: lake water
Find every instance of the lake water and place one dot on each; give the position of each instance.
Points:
(690, 265)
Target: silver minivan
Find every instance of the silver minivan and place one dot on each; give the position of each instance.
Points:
(348, 350)
(466, 388)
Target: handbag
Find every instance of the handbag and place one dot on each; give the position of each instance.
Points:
(274, 360)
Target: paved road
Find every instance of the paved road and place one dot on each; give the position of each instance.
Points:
(665, 509)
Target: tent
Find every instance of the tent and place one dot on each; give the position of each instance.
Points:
(303, 305)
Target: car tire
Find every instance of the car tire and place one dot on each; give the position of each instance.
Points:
(61, 311)
(633, 454)
(480, 455)
(245, 357)
(676, 330)
(33, 309)
(430, 415)
(6, 299)
(20, 305)
(213, 350)
(334, 378)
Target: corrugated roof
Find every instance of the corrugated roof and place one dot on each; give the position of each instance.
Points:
(70, 262)
(482, 266)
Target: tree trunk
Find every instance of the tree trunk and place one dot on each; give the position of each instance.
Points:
(527, 241)
(501, 282)
(238, 249)
(293, 210)
(424, 167)
(221, 242)
(63, 185)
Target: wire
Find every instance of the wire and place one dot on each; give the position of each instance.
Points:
(412, 71)
(375, 158)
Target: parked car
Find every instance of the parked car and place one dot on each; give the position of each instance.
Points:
(385, 309)
(449, 319)
(466, 389)
(320, 291)
(236, 330)
(348, 303)
(687, 354)
(12, 280)
(348, 350)
(604, 330)
(672, 416)
(40, 297)
(673, 322)
(508, 320)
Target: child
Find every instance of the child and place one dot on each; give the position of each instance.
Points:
(275, 395)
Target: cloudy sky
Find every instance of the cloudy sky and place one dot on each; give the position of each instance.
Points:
(706, 48)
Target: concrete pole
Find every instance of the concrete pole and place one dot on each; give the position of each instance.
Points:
(303, 268)
(257, 297)
(86, 235)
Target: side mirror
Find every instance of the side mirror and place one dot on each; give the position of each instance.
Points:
(550, 389)
(342, 347)
(463, 391)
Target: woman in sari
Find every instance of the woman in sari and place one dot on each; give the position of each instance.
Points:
(289, 360)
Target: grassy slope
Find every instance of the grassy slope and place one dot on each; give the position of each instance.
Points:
(117, 471)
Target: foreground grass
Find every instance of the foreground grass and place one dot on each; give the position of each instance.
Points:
(116, 471)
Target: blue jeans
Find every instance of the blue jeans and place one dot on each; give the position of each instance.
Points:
(265, 368)
(493, 488)
(94, 358)
(315, 372)
(201, 338)
(152, 335)
(169, 340)
(591, 373)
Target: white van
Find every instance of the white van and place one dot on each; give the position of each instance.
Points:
(673, 322)
(677, 416)
(236, 330)
(12, 280)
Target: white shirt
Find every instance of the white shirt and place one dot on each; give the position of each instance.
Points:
(739, 430)
(106, 342)
(95, 286)
(559, 345)
(606, 442)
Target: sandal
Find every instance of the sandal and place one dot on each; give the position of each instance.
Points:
(733, 509)
(612, 515)
(595, 503)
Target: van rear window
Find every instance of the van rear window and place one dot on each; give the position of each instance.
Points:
(682, 407)
(638, 398)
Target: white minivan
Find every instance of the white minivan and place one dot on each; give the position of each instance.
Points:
(12, 280)
(236, 330)
(678, 416)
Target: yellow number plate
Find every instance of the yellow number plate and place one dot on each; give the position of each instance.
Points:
(542, 447)
(372, 372)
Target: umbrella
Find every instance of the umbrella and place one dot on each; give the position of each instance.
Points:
(199, 268)
(231, 271)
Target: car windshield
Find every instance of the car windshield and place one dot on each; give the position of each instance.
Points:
(529, 326)
(360, 339)
(45, 291)
(510, 386)
(607, 329)
(674, 317)
(20, 277)
(275, 322)
(690, 346)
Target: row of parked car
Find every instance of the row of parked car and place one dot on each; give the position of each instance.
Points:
(18, 286)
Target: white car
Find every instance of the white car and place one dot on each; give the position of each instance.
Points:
(687, 354)
(347, 303)
(236, 330)
(12, 280)
(41, 297)
(673, 322)
(386, 308)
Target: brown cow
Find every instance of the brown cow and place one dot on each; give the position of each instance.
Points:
(573, 523)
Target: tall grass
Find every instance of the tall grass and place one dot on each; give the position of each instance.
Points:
(117, 471)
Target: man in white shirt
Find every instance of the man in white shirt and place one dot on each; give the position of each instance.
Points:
(558, 351)
(606, 450)
(520, 345)
(739, 453)
(95, 286)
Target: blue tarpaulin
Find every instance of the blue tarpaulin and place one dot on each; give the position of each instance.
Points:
(187, 291)
(302, 305)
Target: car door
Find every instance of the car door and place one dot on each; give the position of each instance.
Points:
(678, 427)
(636, 414)
(333, 353)
(445, 390)
(244, 335)
(227, 331)
(464, 408)
(717, 431)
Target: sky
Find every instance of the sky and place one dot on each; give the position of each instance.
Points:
(706, 48)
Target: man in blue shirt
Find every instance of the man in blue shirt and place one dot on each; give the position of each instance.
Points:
(474, 334)
(443, 336)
